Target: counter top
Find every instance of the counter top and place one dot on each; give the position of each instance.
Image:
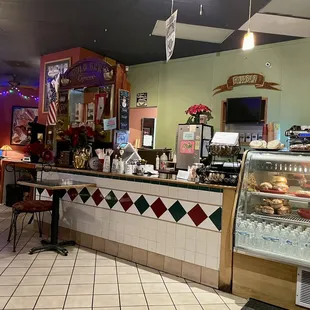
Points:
(135, 178)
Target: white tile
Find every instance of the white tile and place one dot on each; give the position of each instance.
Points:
(179, 253)
(15, 271)
(48, 302)
(184, 299)
(106, 301)
(33, 290)
(106, 288)
(127, 270)
(214, 307)
(190, 244)
(65, 279)
(200, 259)
(82, 279)
(199, 288)
(150, 278)
(105, 263)
(130, 288)
(130, 300)
(83, 270)
(159, 300)
(33, 280)
(154, 288)
(85, 263)
(213, 243)
(82, 301)
(209, 298)
(203, 196)
(212, 262)
(21, 263)
(201, 247)
(105, 278)
(20, 303)
(64, 263)
(58, 271)
(44, 271)
(106, 270)
(43, 263)
(55, 290)
(168, 278)
(178, 288)
(132, 278)
(216, 198)
(231, 299)
(7, 290)
(190, 256)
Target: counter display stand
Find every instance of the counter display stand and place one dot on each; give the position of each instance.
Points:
(272, 229)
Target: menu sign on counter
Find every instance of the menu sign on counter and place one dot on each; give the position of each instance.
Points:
(123, 100)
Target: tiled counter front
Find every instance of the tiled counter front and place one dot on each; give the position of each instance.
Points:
(176, 222)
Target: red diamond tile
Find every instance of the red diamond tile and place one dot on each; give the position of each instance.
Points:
(158, 207)
(197, 215)
(50, 192)
(72, 192)
(126, 202)
(97, 197)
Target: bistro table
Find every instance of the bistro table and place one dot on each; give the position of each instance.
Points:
(57, 186)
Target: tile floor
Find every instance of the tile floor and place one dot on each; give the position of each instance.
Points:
(86, 280)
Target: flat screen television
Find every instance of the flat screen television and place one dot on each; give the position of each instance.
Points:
(245, 110)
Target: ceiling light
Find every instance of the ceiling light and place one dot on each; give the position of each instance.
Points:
(248, 41)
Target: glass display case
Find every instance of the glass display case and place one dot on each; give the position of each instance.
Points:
(273, 207)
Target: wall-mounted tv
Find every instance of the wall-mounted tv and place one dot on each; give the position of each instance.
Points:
(245, 110)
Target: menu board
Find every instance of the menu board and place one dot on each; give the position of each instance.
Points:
(123, 99)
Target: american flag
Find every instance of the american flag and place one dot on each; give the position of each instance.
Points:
(52, 110)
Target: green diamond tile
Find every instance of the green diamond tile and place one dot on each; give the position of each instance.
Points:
(177, 211)
(84, 194)
(141, 204)
(216, 218)
(111, 199)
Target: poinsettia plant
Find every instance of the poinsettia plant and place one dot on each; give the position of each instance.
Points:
(79, 137)
(196, 110)
(37, 152)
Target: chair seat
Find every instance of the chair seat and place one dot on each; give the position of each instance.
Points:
(33, 206)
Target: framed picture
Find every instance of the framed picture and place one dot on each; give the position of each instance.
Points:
(51, 71)
(124, 105)
(21, 116)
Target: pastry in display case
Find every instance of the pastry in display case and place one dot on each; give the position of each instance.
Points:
(273, 208)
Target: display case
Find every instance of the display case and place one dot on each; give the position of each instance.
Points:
(273, 207)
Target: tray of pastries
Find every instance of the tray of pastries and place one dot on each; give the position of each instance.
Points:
(274, 207)
(278, 185)
(274, 145)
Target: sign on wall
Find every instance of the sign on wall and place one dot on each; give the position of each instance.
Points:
(171, 24)
(141, 100)
(256, 79)
(123, 101)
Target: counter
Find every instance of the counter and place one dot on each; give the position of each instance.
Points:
(176, 226)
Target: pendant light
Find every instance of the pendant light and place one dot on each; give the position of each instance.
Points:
(248, 41)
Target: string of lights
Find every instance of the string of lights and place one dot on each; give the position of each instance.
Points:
(15, 89)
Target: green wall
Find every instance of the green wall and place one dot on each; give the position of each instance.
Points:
(176, 85)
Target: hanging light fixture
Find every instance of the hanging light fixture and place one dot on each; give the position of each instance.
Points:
(248, 41)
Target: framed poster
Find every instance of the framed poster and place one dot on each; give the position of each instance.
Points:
(124, 105)
(21, 116)
(141, 100)
(51, 70)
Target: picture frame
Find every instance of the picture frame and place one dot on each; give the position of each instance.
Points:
(51, 70)
(21, 117)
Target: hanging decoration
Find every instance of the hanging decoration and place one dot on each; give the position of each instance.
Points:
(171, 24)
(256, 79)
(14, 90)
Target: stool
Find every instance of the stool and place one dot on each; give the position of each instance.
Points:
(34, 207)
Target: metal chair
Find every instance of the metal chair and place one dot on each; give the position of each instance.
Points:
(34, 207)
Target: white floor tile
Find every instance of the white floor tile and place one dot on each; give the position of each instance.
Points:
(33, 290)
(84, 270)
(7, 290)
(85, 263)
(104, 278)
(83, 301)
(15, 271)
(231, 299)
(43, 263)
(178, 287)
(21, 303)
(132, 288)
(106, 301)
(159, 299)
(59, 271)
(168, 278)
(43, 271)
(33, 280)
(58, 280)
(82, 279)
(154, 288)
(55, 290)
(50, 302)
(130, 300)
(127, 270)
(106, 288)
(82, 289)
(21, 263)
(105, 270)
(184, 299)
(209, 298)
(131, 278)
(213, 307)
(64, 263)
(150, 278)
(105, 263)
(10, 280)
(235, 306)
(3, 301)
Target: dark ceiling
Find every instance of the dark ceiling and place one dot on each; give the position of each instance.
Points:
(31, 28)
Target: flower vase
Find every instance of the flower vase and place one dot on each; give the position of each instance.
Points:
(81, 158)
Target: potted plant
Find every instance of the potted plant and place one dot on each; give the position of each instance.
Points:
(199, 114)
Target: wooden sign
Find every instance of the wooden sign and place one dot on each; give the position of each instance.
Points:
(256, 79)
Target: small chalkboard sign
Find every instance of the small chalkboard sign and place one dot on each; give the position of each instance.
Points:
(123, 99)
